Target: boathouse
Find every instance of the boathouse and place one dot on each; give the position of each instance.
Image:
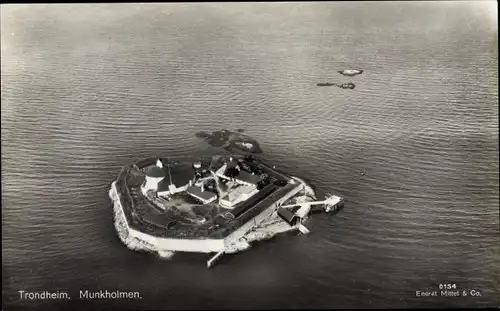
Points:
(288, 216)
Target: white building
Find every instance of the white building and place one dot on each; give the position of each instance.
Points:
(246, 184)
(239, 194)
(154, 175)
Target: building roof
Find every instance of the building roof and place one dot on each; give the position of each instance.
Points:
(155, 171)
(220, 171)
(180, 174)
(196, 191)
(231, 172)
(232, 163)
(216, 163)
(163, 185)
(287, 216)
(247, 177)
(231, 168)
(236, 193)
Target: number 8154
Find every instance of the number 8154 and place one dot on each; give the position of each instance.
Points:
(447, 286)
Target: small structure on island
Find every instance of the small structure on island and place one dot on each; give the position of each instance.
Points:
(178, 179)
(291, 218)
(243, 184)
(154, 175)
(238, 194)
(229, 170)
(200, 194)
(163, 189)
(245, 145)
(247, 178)
(232, 168)
(197, 165)
(165, 181)
(198, 171)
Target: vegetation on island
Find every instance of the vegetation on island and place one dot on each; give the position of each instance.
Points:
(231, 141)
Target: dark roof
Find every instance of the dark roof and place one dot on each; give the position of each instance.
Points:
(155, 171)
(242, 207)
(231, 166)
(247, 177)
(197, 192)
(180, 174)
(233, 163)
(231, 172)
(223, 186)
(216, 164)
(226, 197)
(287, 216)
(163, 185)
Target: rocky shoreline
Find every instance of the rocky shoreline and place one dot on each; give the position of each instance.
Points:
(269, 229)
(121, 226)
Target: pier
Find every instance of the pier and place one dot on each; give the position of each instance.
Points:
(331, 202)
(214, 259)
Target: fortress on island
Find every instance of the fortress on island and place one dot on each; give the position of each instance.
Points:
(216, 206)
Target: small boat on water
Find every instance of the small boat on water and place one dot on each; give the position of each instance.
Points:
(350, 72)
(342, 86)
(347, 85)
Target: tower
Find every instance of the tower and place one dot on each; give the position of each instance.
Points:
(154, 175)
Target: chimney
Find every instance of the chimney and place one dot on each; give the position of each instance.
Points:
(159, 164)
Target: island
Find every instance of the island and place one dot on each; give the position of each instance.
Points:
(231, 140)
(216, 205)
(350, 72)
